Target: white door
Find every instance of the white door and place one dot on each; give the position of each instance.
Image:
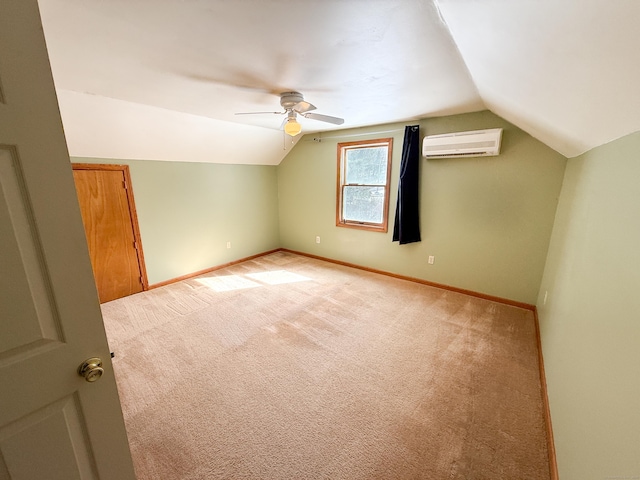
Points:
(54, 425)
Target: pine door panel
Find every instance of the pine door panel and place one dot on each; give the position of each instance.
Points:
(110, 226)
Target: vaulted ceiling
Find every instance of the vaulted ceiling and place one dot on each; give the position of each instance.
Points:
(162, 80)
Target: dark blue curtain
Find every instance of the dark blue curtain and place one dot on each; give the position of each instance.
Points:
(407, 224)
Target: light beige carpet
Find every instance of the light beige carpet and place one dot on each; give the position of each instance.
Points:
(286, 367)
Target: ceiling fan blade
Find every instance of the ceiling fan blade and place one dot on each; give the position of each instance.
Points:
(303, 107)
(258, 113)
(324, 118)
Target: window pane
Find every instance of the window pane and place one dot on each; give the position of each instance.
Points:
(363, 204)
(366, 166)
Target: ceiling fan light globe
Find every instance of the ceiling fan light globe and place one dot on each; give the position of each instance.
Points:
(292, 127)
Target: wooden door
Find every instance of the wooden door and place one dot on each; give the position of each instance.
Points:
(111, 227)
(54, 425)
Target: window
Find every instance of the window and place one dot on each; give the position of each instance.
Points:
(363, 184)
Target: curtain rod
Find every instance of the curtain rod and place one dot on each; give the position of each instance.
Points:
(320, 137)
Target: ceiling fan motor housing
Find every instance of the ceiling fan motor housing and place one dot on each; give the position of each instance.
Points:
(288, 100)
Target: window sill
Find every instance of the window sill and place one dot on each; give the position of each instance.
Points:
(363, 226)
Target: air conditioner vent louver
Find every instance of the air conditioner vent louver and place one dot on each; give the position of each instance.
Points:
(451, 155)
(477, 143)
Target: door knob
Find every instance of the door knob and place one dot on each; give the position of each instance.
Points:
(91, 369)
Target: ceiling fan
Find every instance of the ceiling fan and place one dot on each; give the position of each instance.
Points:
(294, 104)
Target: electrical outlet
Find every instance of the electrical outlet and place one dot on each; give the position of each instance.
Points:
(317, 239)
(228, 244)
(431, 259)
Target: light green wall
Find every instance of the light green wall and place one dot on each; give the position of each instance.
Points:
(487, 220)
(189, 211)
(590, 324)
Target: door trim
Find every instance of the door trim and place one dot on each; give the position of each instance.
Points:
(132, 209)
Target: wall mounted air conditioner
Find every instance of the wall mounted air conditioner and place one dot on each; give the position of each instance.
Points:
(478, 143)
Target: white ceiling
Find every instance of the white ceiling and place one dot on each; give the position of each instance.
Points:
(161, 80)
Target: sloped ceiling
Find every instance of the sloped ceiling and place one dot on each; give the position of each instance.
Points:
(162, 80)
(565, 71)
